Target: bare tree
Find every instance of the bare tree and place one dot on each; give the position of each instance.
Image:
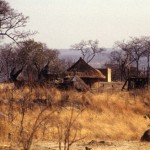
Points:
(28, 129)
(27, 135)
(34, 55)
(67, 63)
(12, 23)
(118, 58)
(89, 49)
(1, 66)
(133, 51)
(7, 57)
(146, 43)
(136, 50)
(68, 130)
(119, 61)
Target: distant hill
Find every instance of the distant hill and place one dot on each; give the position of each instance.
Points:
(97, 62)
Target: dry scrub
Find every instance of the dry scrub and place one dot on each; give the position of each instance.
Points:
(108, 115)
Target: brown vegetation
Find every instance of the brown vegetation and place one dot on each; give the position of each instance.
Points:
(109, 115)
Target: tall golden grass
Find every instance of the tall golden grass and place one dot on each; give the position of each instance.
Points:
(107, 115)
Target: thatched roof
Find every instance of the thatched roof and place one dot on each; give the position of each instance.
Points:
(84, 70)
(79, 84)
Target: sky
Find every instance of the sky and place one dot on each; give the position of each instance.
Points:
(62, 23)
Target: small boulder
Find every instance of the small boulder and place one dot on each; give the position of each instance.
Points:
(87, 148)
(146, 136)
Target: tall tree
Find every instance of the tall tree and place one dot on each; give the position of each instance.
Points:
(146, 43)
(136, 49)
(8, 60)
(89, 49)
(12, 23)
(35, 55)
(118, 58)
(30, 55)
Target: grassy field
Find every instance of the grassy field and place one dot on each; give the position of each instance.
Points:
(41, 114)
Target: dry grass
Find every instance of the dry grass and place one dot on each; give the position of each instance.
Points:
(109, 115)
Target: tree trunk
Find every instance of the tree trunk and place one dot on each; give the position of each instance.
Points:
(147, 70)
(137, 68)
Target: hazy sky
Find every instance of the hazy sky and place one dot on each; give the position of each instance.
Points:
(61, 23)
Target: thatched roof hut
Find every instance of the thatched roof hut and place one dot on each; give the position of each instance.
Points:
(87, 73)
(84, 70)
(74, 82)
(79, 84)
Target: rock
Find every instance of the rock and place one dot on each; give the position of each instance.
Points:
(87, 148)
(146, 136)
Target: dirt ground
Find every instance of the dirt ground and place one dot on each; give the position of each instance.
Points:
(102, 145)
(113, 145)
(92, 145)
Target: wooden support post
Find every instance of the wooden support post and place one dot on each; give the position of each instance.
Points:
(124, 85)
